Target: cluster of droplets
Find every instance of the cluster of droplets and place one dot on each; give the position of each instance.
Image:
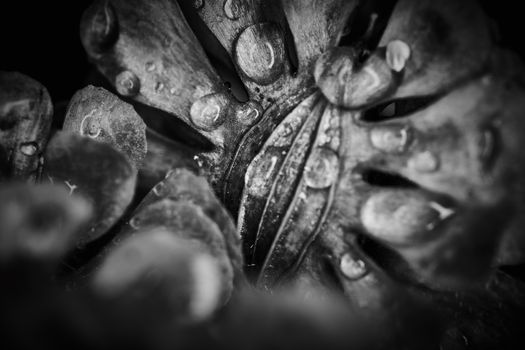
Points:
(322, 168)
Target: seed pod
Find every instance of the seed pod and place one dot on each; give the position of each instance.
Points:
(26, 114)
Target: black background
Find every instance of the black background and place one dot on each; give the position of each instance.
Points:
(40, 39)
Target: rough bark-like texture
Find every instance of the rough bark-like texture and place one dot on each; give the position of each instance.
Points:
(26, 114)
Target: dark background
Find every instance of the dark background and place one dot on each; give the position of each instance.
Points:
(40, 39)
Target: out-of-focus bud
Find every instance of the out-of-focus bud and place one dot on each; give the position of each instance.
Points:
(96, 172)
(38, 222)
(175, 276)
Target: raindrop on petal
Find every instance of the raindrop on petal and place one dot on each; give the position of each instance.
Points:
(209, 112)
(425, 162)
(249, 113)
(322, 168)
(29, 148)
(391, 139)
(353, 268)
(397, 54)
(232, 9)
(402, 217)
(127, 83)
(260, 54)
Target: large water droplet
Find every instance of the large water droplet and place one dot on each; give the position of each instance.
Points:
(425, 162)
(198, 4)
(249, 113)
(322, 168)
(209, 112)
(260, 53)
(397, 54)
(160, 189)
(391, 139)
(402, 217)
(352, 267)
(232, 9)
(29, 148)
(127, 83)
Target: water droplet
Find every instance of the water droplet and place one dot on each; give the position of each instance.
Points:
(397, 54)
(134, 223)
(199, 161)
(102, 30)
(198, 4)
(117, 239)
(209, 112)
(322, 168)
(159, 189)
(249, 113)
(127, 83)
(425, 162)
(488, 147)
(150, 67)
(261, 173)
(353, 268)
(402, 217)
(93, 131)
(29, 148)
(260, 53)
(392, 139)
(159, 86)
(232, 9)
(89, 125)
